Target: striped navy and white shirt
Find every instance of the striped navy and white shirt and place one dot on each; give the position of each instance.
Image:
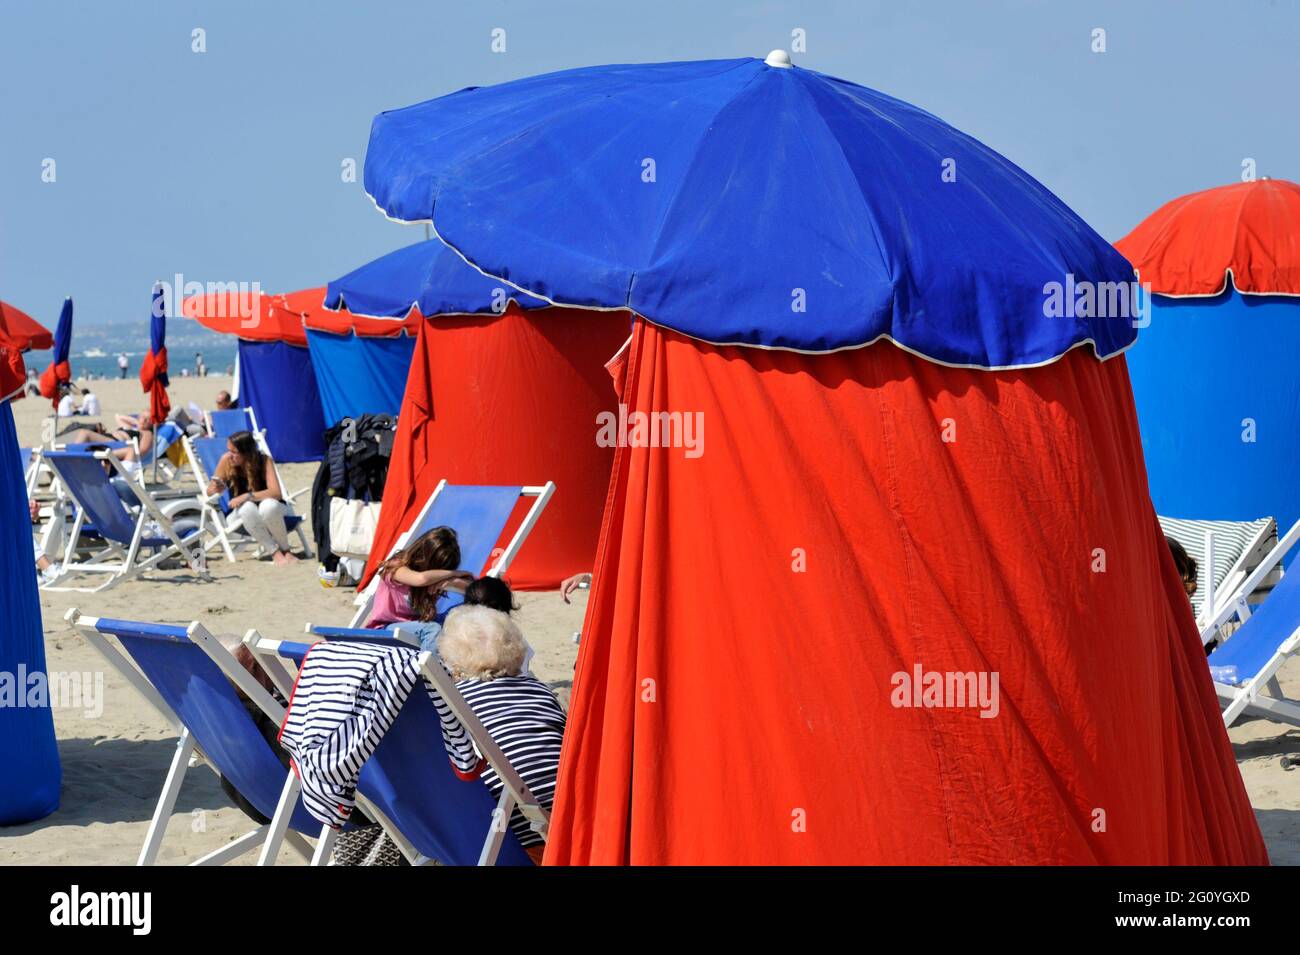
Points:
(523, 717)
(345, 700)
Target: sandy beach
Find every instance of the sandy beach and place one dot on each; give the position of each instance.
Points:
(114, 761)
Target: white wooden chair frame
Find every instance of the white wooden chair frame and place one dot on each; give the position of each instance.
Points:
(1262, 694)
(1235, 604)
(127, 564)
(1257, 550)
(188, 753)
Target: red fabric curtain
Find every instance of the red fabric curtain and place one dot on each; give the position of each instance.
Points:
(509, 399)
(854, 516)
(53, 376)
(13, 372)
(21, 331)
(153, 371)
(18, 332)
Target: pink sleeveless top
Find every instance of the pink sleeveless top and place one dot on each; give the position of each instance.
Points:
(392, 605)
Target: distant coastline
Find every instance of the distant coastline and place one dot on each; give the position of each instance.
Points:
(95, 349)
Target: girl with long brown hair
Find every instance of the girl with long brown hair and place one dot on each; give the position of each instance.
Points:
(412, 580)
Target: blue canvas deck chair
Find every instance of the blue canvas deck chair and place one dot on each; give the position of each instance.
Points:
(222, 424)
(117, 538)
(190, 679)
(478, 514)
(1245, 667)
(203, 455)
(408, 785)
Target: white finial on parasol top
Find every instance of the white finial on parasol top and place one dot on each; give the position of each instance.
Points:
(780, 59)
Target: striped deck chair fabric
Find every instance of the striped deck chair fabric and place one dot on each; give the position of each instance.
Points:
(1232, 541)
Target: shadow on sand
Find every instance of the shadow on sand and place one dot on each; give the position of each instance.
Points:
(118, 780)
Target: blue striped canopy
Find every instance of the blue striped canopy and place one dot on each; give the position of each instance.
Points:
(739, 201)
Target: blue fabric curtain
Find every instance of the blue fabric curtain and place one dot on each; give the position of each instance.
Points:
(29, 759)
(358, 375)
(1218, 401)
(276, 380)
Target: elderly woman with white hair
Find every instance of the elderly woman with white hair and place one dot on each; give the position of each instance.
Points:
(485, 653)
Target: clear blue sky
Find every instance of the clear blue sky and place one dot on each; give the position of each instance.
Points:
(225, 165)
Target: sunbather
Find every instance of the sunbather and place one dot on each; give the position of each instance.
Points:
(495, 594)
(255, 494)
(45, 568)
(142, 432)
(67, 403)
(1187, 566)
(485, 653)
(412, 580)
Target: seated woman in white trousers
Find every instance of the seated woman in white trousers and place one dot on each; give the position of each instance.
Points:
(255, 494)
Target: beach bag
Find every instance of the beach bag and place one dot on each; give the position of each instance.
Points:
(352, 526)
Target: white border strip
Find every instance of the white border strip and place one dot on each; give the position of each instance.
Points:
(1228, 278)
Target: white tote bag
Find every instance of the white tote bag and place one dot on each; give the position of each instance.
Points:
(352, 526)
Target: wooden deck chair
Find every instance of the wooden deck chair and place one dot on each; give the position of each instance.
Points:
(103, 517)
(479, 515)
(410, 787)
(190, 679)
(203, 455)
